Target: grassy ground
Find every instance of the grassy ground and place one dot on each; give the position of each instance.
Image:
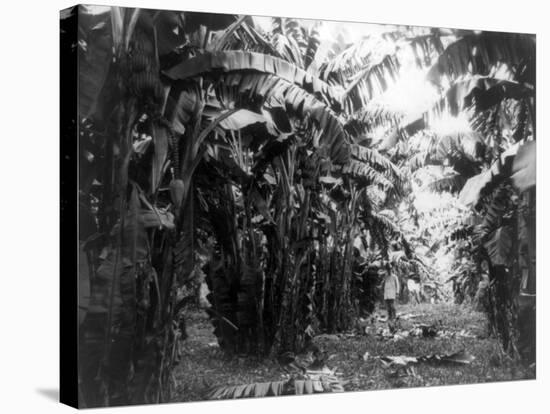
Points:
(203, 364)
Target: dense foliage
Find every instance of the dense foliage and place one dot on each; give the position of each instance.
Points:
(218, 152)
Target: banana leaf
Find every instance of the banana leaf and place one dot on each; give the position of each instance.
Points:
(525, 167)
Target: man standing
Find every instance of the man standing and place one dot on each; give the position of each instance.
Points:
(391, 289)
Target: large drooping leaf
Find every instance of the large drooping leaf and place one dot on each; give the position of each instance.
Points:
(471, 192)
(428, 46)
(483, 183)
(371, 81)
(241, 35)
(291, 28)
(242, 118)
(382, 224)
(377, 114)
(377, 160)
(481, 93)
(497, 207)
(288, 49)
(312, 46)
(368, 66)
(261, 91)
(485, 99)
(499, 246)
(480, 53)
(291, 39)
(250, 79)
(250, 61)
(364, 171)
(358, 55)
(471, 64)
(524, 169)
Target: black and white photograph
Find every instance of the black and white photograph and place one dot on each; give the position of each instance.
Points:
(272, 206)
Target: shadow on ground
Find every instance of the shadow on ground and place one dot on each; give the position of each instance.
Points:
(49, 393)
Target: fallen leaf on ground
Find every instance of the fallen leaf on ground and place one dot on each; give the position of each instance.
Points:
(407, 316)
(461, 357)
(398, 360)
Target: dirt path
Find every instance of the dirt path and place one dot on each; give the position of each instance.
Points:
(354, 355)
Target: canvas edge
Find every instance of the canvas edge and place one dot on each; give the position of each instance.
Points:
(68, 286)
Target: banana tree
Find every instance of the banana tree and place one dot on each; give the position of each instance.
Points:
(491, 78)
(137, 185)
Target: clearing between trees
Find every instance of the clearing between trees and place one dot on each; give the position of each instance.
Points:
(354, 356)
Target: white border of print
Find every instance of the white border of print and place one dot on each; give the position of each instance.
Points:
(30, 207)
